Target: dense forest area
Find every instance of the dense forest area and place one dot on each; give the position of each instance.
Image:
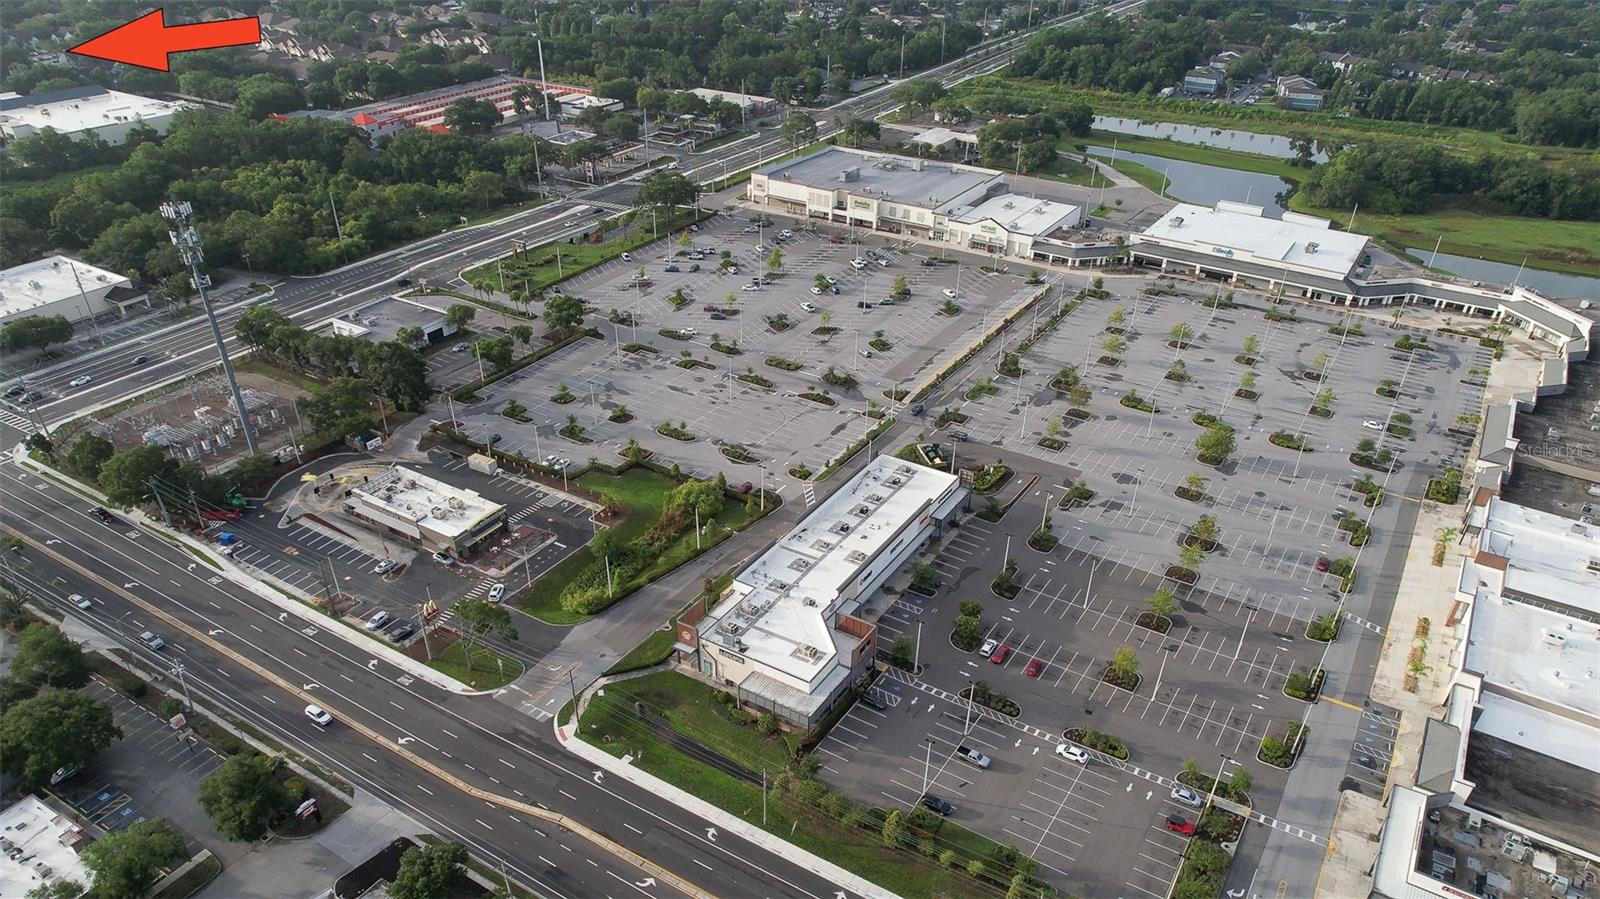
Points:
(1546, 88)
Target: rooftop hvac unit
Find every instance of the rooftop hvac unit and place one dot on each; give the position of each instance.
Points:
(731, 628)
(863, 510)
(875, 498)
(895, 482)
(456, 503)
(800, 564)
(841, 528)
(904, 469)
(1553, 640)
(780, 586)
(809, 602)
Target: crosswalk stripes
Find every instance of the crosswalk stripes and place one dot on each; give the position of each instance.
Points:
(524, 513)
(14, 420)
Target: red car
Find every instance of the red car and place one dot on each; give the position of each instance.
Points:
(710, 308)
(1001, 653)
(1180, 825)
(1035, 665)
(1323, 562)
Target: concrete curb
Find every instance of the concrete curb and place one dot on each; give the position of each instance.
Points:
(724, 820)
(269, 589)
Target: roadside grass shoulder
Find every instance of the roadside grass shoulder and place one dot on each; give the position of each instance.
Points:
(490, 669)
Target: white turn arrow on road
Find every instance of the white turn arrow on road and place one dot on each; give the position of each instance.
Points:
(215, 631)
(647, 882)
(51, 542)
(309, 687)
(404, 740)
(1236, 894)
(599, 776)
(711, 834)
(130, 584)
(372, 665)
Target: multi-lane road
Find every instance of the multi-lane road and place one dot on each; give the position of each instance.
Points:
(432, 753)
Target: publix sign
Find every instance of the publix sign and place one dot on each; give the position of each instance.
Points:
(1222, 251)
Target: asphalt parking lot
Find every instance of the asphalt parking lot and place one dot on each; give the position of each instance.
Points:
(775, 425)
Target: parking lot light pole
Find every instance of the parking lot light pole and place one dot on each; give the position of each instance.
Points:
(178, 671)
(916, 654)
(927, 764)
(1247, 621)
(1215, 784)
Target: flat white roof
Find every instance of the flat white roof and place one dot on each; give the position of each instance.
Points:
(425, 502)
(1019, 214)
(38, 830)
(1535, 652)
(1549, 557)
(72, 114)
(1570, 741)
(781, 607)
(707, 93)
(938, 137)
(45, 281)
(1295, 239)
(883, 176)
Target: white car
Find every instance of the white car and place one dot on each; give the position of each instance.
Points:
(988, 647)
(816, 291)
(497, 592)
(1187, 797)
(1075, 753)
(809, 307)
(318, 715)
(1372, 424)
(378, 620)
(688, 332)
(751, 287)
(884, 263)
(786, 233)
(949, 293)
(858, 264)
(81, 601)
(570, 223)
(80, 380)
(385, 566)
(830, 281)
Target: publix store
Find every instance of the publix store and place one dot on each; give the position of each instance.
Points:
(939, 202)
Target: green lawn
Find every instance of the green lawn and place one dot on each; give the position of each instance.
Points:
(1071, 171)
(652, 650)
(548, 264)
(1149, 178)
(1171, 149)
(643, 492)
(1563, 246)
(611, 724)
(490, 670)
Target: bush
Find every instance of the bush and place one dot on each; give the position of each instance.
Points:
(767, 723)
(1323, 629)
(1098, 741)
(134, 687)
(171, 706)
(971, 607)
(1303, 685)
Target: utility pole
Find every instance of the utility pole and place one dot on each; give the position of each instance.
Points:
(544, 86)
(177, 671)
(187, 240)
(156, 491)
(94, 319)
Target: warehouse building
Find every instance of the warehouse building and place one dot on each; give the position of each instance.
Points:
(785, 637)
(61, 285)
(940, 202)
(439, 517)
(427, 109)
(750, 104)
(79, 112)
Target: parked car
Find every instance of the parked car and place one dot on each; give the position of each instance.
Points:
(443, 558)
(402, 632)
(870, 698)
(1372, 424)
(718, 317)
(79, 381)
(858, 263)
(809, 307)
(318, 715)
(688, 332)
(988, 647)
(866, 354)
(497, 592)
(378, 620)
(882, 262)
(1000, 654)
(941, 806)
(926, 263)
(972, 756)
(886, 301)
(1075, 753)
(694, 266)
(1180, 825)
(816, 291)
(948, 293)
(751, 287)
(786, 233)
(672, 268)
(1035, 665)
(1323, 562)
(149, 639)
(1187, 796)
(830, 280)
(385, 566)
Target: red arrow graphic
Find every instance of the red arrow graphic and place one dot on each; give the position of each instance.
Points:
(146, 41)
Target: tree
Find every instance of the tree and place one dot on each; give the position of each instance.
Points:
(1161, 603)
(480, 620)
(469, 116)
(825, 318)
(35, 332)
(1247, 381)
(918, 94)
(244, 795)
(126, 862)
(1251, 345)
(820, 282)
(891, 829)
(1124, 664)
(1240, 781)
(901, 288)
(1205, 529)
(458, 314)
(1078, 395)
(798, 129)
(775, 261)
(256, 325)
(59, 889)
(1191, 556)
(88, 453)
(265, 94)
(410, 335)
(1323, 400)
(337, 409)
(45, 657)
(705, 497)
(1319, 362)
(666, 189)
(857, 130)
(1019, 886)
(522, 333)
(1052, 428)
(902, 654)
(497, 353)
(1182, 333)
(563, 313)
(1195, 483)
(1215, 444)
(1117, 318)
(1113, 345)
(53, 730)
(126, 476)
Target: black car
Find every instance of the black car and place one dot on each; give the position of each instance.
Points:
(15, 390)
(140, 359)
(870, 698)
(402, 632)
(939, 805)
(102, 514)
(403, 282)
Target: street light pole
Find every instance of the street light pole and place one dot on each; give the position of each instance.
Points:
(178, 671)
(916, 654)
(187, 240)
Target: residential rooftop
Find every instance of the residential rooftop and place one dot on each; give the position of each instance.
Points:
(424, 502)
(49, 280)
(898, 179)
(781, 608)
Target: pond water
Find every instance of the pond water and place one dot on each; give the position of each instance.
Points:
(1274, 145)
(1204, 185)
(1551, 284)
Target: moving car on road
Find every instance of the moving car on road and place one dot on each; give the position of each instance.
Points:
(149, 639)
(318, 716)
(79, 381)
(497, 592)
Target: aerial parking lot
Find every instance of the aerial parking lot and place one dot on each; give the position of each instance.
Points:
(1227, 656)
(748, 375)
